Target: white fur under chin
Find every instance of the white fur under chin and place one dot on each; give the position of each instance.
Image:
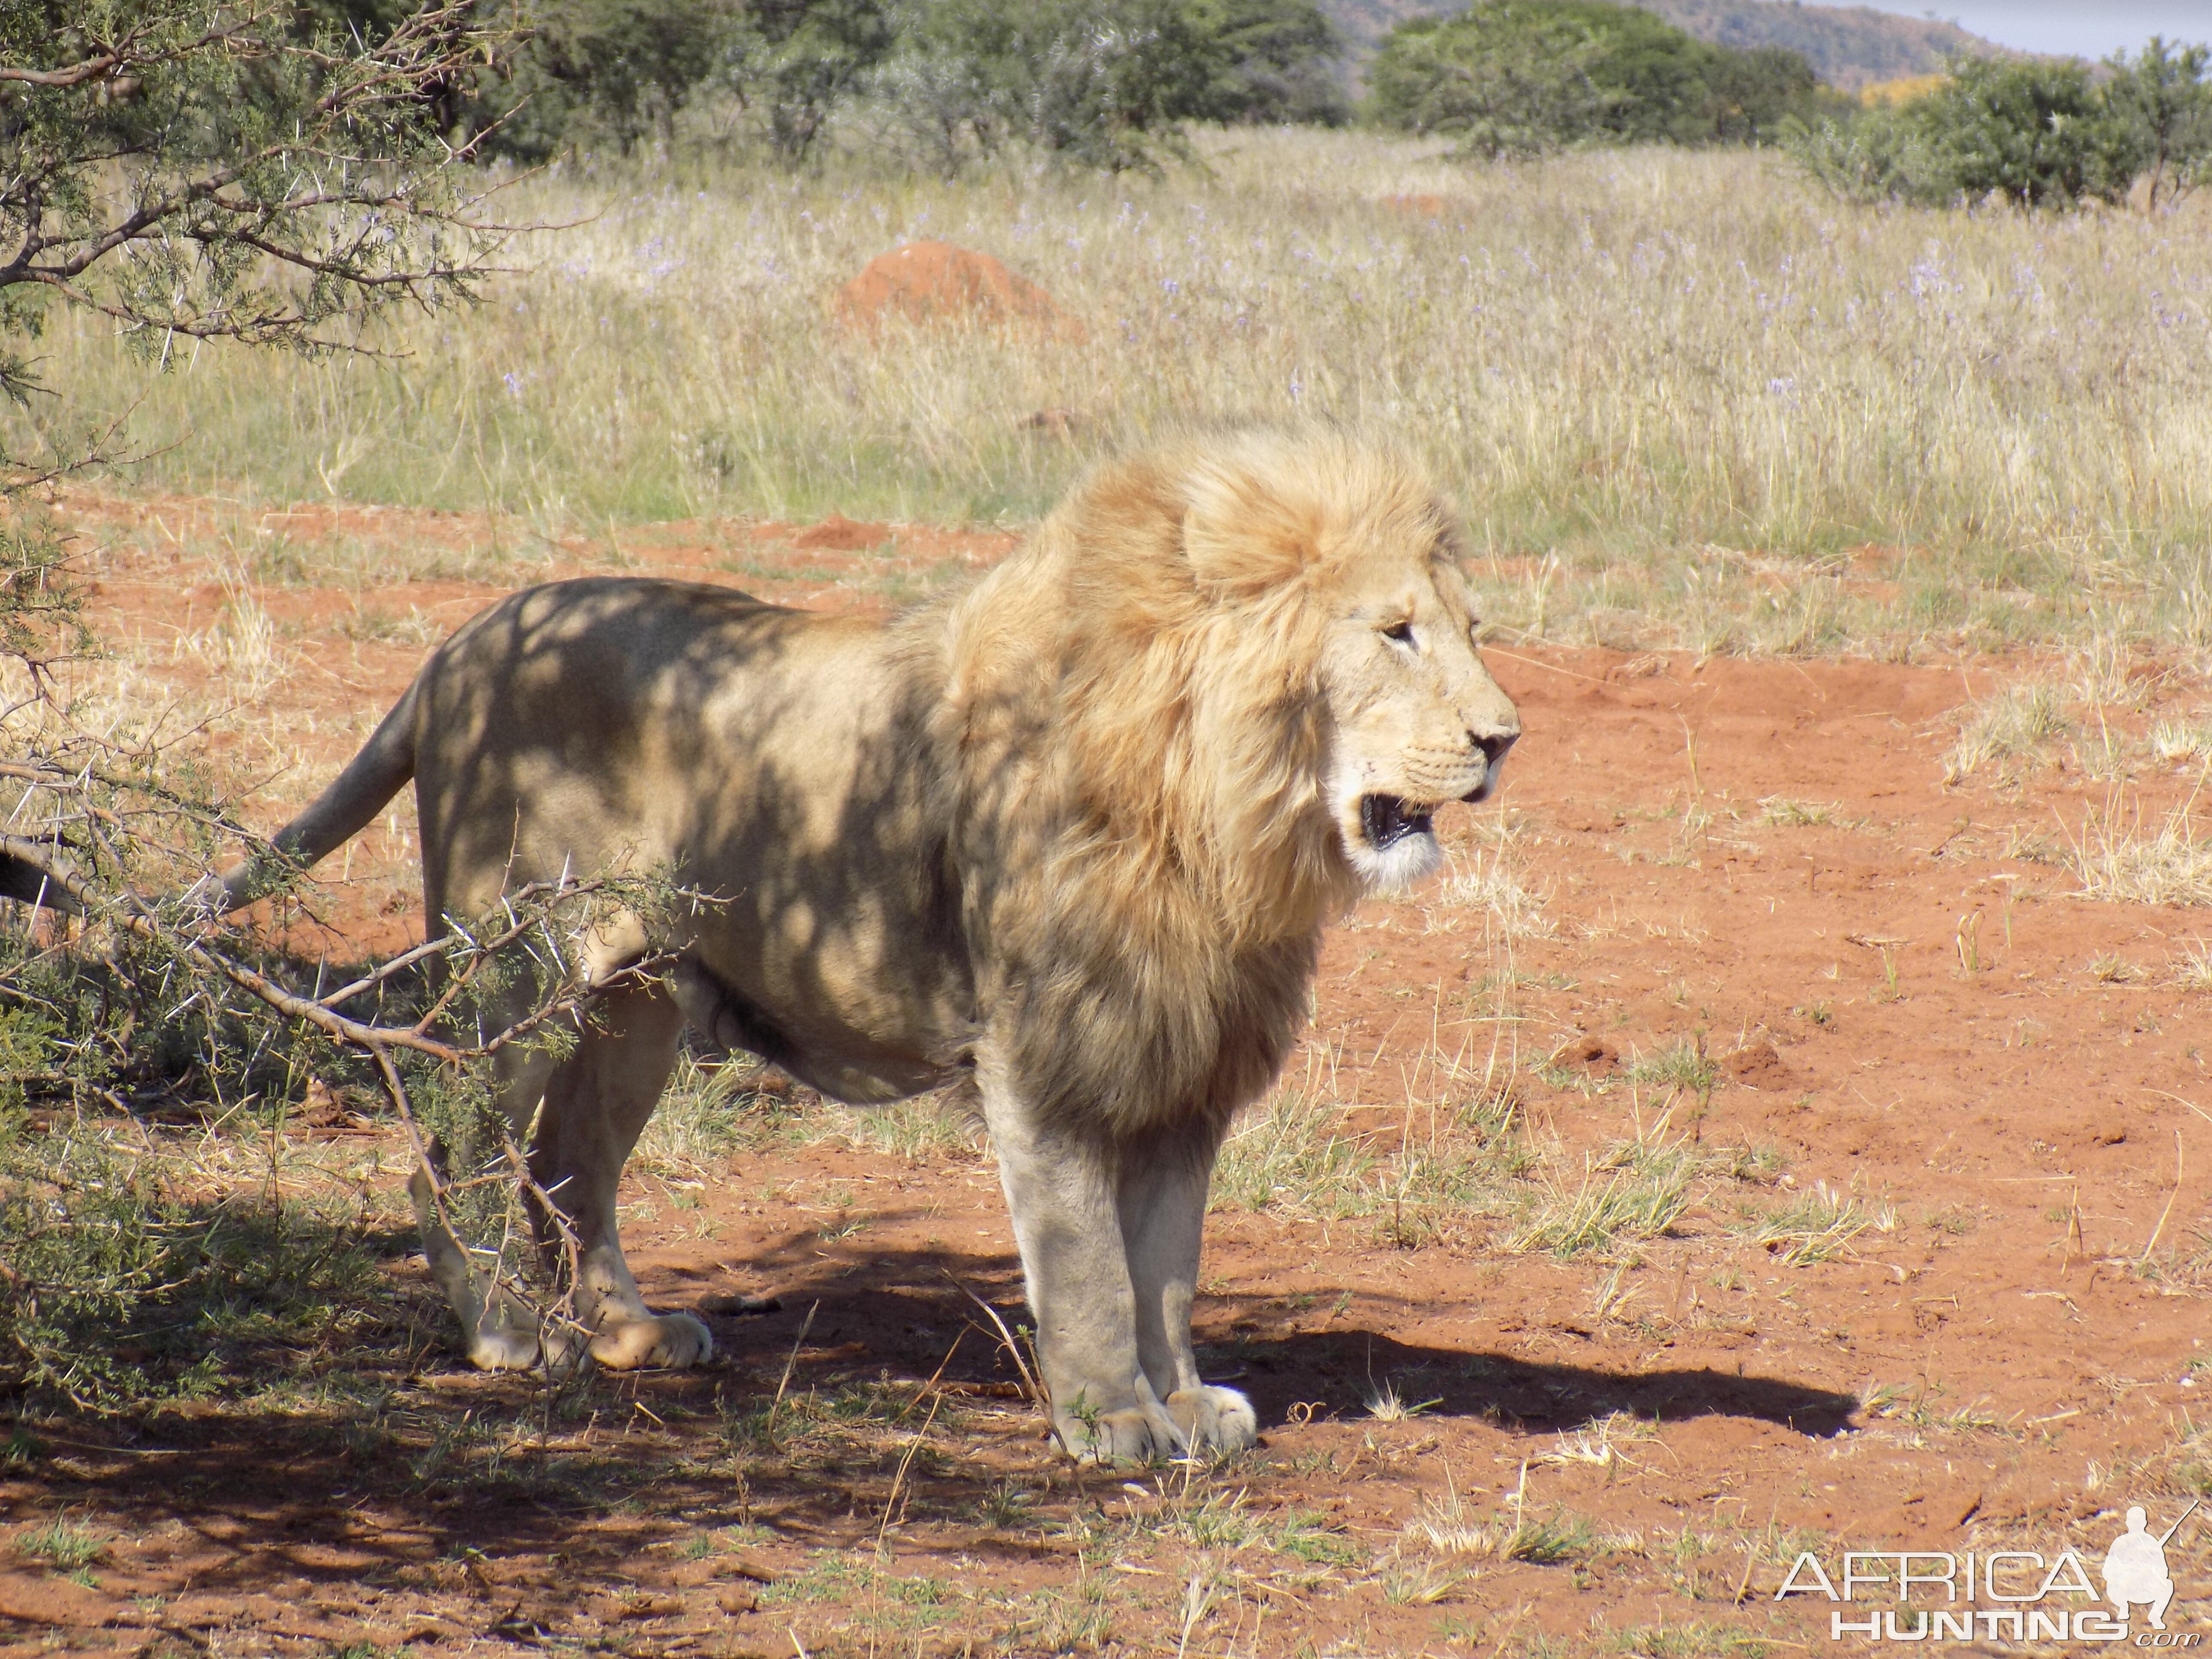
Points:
(1394, 871)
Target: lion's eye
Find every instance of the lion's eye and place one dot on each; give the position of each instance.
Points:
(1400, 632)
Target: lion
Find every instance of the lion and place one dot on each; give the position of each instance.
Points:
(1065, 841)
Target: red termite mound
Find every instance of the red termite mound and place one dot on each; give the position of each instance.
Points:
(937, 283)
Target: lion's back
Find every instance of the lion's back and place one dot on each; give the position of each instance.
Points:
(659, 723)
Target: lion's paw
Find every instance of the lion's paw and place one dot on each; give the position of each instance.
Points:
(1214, 1420)
(504, 1347)
(1135, 1434)
(673, 1341)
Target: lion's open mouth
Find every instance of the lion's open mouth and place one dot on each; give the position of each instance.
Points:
(1386, 820)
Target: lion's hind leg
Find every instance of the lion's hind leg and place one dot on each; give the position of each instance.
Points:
(502, 1334)
(596, 1103)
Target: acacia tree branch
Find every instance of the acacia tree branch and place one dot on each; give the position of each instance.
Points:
(121, 59)
(304, 184)
(566, 994)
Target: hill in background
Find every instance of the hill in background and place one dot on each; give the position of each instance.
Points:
(1848, 46)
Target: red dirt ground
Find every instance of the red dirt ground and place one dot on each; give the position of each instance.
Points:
(2011, 1357)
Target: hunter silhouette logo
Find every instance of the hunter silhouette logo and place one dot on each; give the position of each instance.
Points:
(2135, 1567)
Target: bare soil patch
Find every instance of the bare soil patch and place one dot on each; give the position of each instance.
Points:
(1935, 1280)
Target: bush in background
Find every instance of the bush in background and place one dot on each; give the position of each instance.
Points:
(1271, 61)
(2166, 98)
(2038, 135)
(1520, 78)
(607, 71)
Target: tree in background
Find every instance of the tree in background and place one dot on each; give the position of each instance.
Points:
(1106, 83)
(607, 71)
(1270, 61)
(1518, 78)
(2038, 134)
(939, 97)
(195, 170)
(799, 60)
(1751, 96)
(2164, 98)
(1518, 90)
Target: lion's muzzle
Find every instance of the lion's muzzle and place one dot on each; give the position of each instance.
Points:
(1494, 746)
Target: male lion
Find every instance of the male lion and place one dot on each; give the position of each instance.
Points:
(1065, 841)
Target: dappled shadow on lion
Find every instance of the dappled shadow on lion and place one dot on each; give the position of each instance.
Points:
(1065, 841)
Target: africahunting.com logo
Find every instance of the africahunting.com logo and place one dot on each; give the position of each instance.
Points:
(2026, 1593)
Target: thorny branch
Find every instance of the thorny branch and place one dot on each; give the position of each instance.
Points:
(190, 936)
(200, 152)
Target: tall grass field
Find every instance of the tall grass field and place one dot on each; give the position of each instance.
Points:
(1686, 399)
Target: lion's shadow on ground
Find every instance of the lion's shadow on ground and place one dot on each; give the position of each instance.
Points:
(1348, 1373)
(435, 1477)
(902, 1305)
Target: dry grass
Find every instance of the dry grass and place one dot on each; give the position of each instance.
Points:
(1600, 1444)
(2117, 856)
(1495, 881)
(1297, 1150)
(1448, 1524)
(240, 644)
(1818, 1226)
(1676, 391)
(1631, 1196)
(2192, 969)
(2181, 742)
(1782, 811)
(2005, 728)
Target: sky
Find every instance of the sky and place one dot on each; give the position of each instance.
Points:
(2064, 26)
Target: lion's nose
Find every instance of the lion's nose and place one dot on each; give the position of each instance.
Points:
(1493, 746)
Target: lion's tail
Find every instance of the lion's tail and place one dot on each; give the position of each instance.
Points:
(356, 795)
(373, 777)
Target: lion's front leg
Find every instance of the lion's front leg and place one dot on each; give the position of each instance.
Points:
(1162, 1192)
(1061, 1194)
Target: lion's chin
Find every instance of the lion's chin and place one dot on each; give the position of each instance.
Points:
(1391, 843)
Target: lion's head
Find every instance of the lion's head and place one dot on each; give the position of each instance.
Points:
(1258, 652)
(1356, 542)
(1417, 719)
(1326, 578)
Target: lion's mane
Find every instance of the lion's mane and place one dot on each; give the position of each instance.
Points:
(1134, 734)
